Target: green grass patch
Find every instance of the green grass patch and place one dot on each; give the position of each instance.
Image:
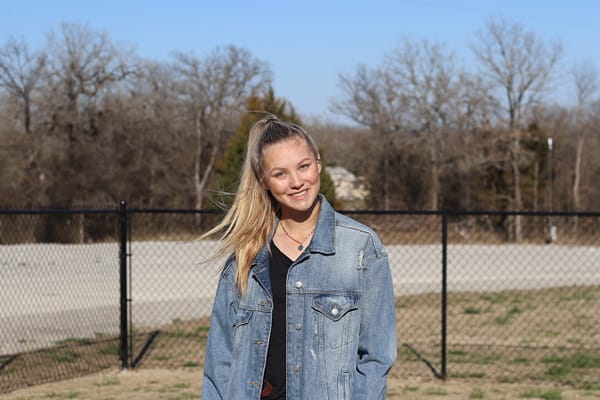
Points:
(65, 356)
(467, 375)
(436, 392)
(584, 294)
(545, 395)
(191, 364)
(591, 385)
(111, 349)
(109, 382)
(585, 360)
(521, 361)
(485, 360)
(577, 360)
(503, 320)
(558, 371)
(74, 341)
(202, 329)
(178, 334)
(69, 395)
(458, 353)
(477, 394)
(496, 298)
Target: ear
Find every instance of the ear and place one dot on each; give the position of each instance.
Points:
(319, 164)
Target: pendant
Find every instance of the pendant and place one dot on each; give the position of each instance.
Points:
(300, 247)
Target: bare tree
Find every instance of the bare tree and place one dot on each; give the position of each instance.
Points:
(586, 84)
(520, 65)
(153, 107)
(20, 74)
(471, 150)
(423, 75)
(370, 100)
(212, 91)
(83, 65)
(411, 99)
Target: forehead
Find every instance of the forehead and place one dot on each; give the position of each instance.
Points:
(286, 151)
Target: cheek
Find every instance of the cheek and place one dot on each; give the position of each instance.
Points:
(271, 185)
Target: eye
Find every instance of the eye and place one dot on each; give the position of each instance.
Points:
(279, 174)
(304, 167)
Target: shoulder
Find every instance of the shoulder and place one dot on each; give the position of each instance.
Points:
(229, 268)
(228, 286)
(352, 229)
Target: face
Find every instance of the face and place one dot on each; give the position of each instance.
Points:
(292, 176)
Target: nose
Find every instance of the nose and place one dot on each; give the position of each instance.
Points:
(295, 181)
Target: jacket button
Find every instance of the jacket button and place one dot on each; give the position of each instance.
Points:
(296, 368)
(298, 326)
(335, 311)
(298, 284)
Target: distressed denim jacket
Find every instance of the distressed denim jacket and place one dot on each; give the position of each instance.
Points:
(341, 327)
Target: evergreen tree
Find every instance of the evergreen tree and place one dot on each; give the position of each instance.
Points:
(229, 167)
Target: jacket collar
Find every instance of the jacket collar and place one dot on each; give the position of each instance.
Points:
(323, 240)
(260, 268)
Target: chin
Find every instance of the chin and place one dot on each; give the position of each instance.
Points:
(300, 205)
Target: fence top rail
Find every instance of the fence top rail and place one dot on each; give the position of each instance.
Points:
(474, 213)
(60, 211)
(174, 211)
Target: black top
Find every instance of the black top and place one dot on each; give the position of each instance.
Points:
(275, 371)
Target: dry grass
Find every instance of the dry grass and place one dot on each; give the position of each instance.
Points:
(541, 344)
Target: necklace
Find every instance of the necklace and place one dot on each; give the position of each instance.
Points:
(300, 243)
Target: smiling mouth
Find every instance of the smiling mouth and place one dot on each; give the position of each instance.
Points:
(299, 194)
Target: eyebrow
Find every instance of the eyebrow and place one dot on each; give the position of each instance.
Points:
(299, 163)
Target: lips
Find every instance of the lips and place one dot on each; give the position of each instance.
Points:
(299, 194)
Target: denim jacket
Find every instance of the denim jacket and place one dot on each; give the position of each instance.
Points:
(341, 327)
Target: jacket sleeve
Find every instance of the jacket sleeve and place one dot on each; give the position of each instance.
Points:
(377, 341)
(219, 346)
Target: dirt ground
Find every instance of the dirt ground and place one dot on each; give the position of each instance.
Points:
(159, 384)
(543, 341)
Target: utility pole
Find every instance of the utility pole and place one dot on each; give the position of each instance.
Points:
(551, 227)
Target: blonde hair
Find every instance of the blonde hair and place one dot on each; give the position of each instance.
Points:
(248, 224)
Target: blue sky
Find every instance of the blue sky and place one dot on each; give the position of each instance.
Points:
(309, 43)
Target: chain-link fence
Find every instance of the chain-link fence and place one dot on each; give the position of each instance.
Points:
(59, 295)
(487, 295)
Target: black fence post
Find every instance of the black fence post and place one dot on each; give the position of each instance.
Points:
(444, 291)
(123, 334)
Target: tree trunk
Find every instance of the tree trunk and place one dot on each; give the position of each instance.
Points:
(577, 182)
(27, 117)
(386, 165)
(199, 190)
(516, 174)
(435, 174)
(536, 179)
(201, 177)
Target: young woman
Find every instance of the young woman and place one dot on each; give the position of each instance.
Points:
(304, 307)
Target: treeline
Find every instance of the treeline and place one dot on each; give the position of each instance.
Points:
(87, 122)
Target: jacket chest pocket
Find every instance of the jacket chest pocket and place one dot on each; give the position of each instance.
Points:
(335, 319)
